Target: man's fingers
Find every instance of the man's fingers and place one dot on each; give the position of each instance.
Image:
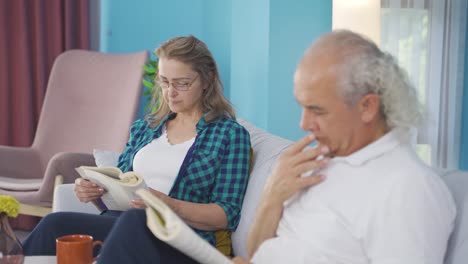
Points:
(308, 181)
(310, 165)
(310, 154)
(300, 144)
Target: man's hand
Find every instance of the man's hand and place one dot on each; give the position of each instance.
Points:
(87, 191)
(286, 178)
(285, 181)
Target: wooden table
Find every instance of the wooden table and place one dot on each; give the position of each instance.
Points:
(40, 260)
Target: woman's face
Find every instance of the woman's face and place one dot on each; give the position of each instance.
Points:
(182, 87)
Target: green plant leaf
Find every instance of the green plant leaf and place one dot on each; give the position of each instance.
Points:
(148, 83)
(149, 69)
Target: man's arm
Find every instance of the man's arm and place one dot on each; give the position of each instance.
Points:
(265, 224)
(285, 181)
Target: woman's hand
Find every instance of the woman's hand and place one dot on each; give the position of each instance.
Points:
(137, 203)
(239, 260)
(165, 198)
(87, 191)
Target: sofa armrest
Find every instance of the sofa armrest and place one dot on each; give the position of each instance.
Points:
(65, 200)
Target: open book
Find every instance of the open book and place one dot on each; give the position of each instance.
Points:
(168, 227)
(120, 186)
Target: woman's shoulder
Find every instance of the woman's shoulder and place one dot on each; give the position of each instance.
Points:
(139, 124)
(229, 126)
(227, 122)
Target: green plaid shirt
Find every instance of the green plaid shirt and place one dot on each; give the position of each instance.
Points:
(215, 169)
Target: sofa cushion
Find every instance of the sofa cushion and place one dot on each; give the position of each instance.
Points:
(105, 158)
(267, 148)
(457, 250)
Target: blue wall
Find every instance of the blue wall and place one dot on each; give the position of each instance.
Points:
(257, 45)
(216, 33)
(294, 26)
(464, 132)
(268, 38)
(249, 60)
(128, 27)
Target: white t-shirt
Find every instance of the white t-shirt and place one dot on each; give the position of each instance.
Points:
(159, 162)
(379, 205)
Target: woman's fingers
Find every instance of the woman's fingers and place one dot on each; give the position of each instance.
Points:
(137, 203)
(87, 191)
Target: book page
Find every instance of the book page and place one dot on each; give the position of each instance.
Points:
(120, 187)
(168, 227)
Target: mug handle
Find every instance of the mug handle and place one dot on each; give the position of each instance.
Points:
(96, 243)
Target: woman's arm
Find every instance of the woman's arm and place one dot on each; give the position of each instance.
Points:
(200, 216)
(228, 184)
(233, 174)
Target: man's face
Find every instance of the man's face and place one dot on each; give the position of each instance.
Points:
(324, 111)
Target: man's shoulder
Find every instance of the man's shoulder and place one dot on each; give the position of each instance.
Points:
(405, 162)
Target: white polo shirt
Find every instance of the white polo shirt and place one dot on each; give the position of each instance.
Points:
(379, 205)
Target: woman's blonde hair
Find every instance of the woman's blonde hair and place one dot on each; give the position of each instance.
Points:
(194, 52)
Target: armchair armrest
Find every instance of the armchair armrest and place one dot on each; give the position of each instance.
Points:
(64, 164)
(65, 200)
(11, 159)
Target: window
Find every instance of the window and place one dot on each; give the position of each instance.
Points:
(427, 38)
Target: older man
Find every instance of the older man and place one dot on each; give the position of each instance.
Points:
(373, 200)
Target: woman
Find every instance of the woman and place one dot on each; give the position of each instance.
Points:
(192, 154)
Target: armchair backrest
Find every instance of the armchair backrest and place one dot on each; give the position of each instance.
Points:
(90, 102)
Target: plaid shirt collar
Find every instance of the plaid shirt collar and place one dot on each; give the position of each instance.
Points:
(201, 124)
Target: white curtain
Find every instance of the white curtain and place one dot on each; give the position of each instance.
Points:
(428, 38)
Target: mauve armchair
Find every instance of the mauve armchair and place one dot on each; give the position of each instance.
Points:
(91, 100)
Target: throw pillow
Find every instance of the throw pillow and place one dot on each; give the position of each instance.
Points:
(105, 158)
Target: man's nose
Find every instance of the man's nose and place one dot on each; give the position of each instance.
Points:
(308, 122)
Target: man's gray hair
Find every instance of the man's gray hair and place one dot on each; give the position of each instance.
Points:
(365, 69)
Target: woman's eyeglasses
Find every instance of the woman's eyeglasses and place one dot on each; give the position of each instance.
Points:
(178, 85)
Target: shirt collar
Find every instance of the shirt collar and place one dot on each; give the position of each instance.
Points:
(379, 147)
(201, 124)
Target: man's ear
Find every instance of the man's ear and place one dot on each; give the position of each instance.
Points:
(369, 106)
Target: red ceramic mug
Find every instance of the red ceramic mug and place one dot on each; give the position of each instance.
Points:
(76, 249)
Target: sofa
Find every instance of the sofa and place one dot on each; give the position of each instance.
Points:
(267, 147)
